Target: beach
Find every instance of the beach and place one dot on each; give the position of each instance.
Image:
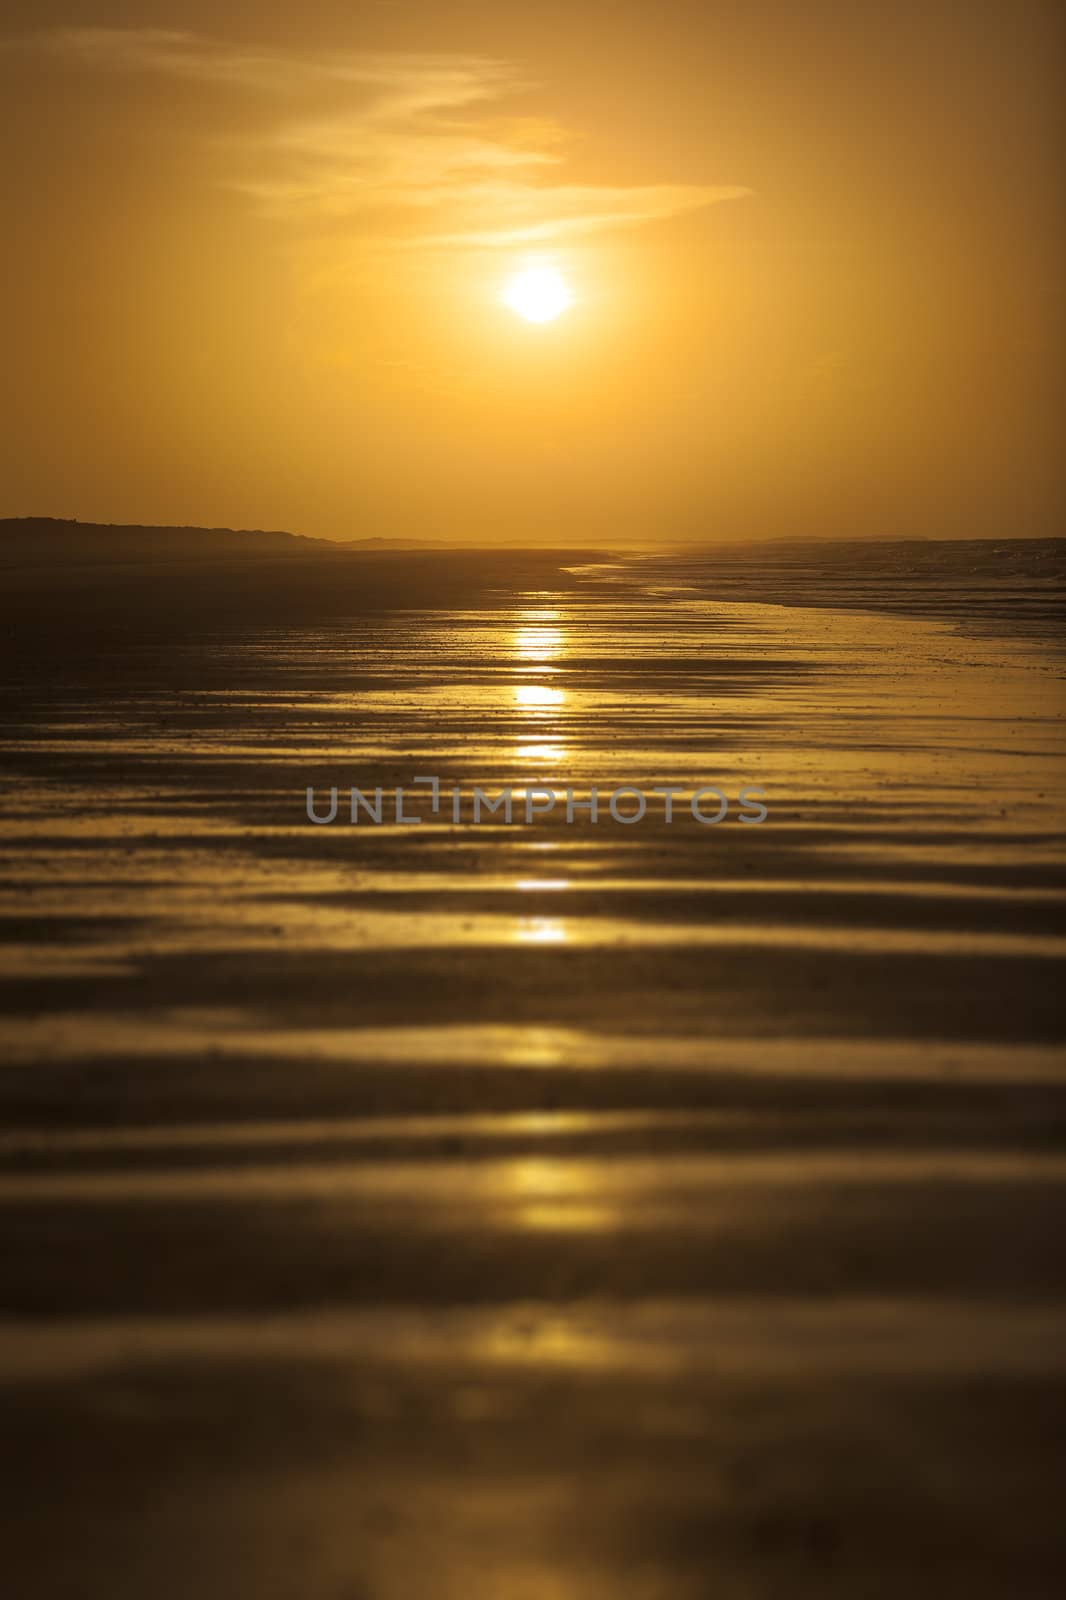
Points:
(558, 1208)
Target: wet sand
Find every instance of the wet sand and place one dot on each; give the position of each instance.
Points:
(550, 1210)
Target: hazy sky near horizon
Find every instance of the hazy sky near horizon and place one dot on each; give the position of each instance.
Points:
(255, 256)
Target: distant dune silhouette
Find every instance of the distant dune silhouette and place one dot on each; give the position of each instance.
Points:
(25, 539)
(28, 539)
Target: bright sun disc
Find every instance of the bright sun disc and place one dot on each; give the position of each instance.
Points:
(538, 294)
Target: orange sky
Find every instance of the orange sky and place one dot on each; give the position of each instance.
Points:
(256, 253)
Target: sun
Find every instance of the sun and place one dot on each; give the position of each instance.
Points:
(539, 294)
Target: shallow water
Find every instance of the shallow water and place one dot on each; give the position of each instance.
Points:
(545, 1209)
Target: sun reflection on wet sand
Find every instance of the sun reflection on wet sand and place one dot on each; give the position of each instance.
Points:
(542, 1194)
(538, 696)
(538, 644)
(547, 750)
(541, 930)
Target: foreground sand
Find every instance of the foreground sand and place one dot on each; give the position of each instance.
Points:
(540, 1211)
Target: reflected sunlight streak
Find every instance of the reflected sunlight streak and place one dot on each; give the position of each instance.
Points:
(552, 1195)
(541, 930)
(538, 695)
(538, 644)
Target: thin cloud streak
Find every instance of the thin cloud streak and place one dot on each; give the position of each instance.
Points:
(411, 158)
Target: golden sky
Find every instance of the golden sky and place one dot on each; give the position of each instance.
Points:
(257, 253)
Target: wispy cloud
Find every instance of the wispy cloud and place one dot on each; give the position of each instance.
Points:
(410, 147)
